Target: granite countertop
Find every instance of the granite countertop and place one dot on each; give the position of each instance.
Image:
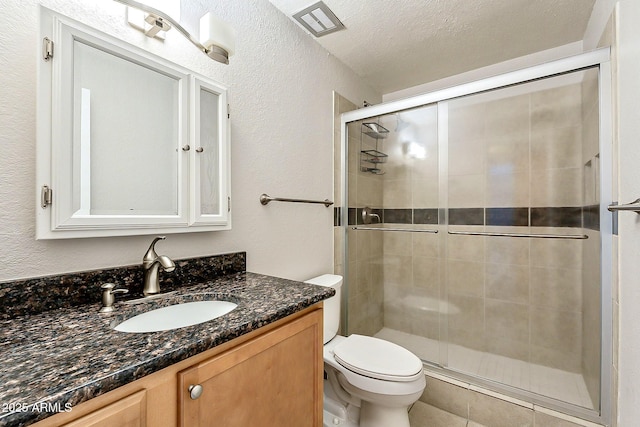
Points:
(67, 356)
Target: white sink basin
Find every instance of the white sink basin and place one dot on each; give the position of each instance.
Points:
(176, 316)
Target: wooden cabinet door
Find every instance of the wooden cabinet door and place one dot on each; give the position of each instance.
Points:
(130, 411)
(272, 380)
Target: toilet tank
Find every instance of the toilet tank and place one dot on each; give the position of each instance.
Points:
(331, 305)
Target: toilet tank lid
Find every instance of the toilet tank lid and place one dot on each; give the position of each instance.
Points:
(327, 280)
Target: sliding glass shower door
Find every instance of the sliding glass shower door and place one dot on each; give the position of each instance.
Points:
(523, 259)
(474, 235)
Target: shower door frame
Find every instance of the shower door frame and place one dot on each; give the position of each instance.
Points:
(598, 58)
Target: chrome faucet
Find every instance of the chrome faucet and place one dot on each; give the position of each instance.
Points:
(151, 262)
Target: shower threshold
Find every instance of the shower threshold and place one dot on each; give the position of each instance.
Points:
(552, 383)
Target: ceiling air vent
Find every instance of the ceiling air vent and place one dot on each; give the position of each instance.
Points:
(319, 20)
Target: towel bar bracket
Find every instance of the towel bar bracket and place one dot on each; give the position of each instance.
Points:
(633, 207)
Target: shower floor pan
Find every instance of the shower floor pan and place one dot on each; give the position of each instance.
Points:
(554, 383)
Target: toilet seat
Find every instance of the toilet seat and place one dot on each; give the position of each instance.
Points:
(376, 358)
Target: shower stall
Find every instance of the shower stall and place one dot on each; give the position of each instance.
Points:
(477, 235)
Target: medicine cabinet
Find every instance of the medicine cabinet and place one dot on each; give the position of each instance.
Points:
(128, 143)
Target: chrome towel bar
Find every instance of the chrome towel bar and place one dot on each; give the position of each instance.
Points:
(409, 230)
(540, 236)
(265, 199)
(633, 206)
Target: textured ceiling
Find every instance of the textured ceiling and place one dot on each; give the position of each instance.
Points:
(396, 44)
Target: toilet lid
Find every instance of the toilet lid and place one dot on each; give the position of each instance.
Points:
(377, 358)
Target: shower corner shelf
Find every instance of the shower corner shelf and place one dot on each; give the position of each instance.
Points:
(370, 158)
(373, 156)
(374, 130)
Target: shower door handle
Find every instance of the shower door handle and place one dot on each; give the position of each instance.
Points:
(633, 206)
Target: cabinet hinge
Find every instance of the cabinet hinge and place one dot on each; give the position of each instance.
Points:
(228, 111)
(46, 196)
(47, 48)
(228, 204)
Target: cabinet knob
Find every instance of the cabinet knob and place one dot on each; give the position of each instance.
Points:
(195, 391)
(186, 148)
(199, 150)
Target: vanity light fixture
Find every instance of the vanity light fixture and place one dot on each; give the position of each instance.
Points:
(217, 38)
(150, 23)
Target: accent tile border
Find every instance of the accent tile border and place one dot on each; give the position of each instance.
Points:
(507, 216)
(466, 216)
(591, 218)
(398, 216)
(566, 216)
(40, 294)
(556, 217)
(425, 216)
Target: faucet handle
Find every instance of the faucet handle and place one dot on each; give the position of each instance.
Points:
(368, 215)
(108, 297)
(151, 254)
(108, 286)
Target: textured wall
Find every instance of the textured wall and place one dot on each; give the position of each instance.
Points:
(281, 85)
(627, 85)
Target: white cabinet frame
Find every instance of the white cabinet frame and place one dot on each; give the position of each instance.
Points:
(60, 219)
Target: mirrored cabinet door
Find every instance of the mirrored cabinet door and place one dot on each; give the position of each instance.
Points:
(210, 166)
(125, 160)
(128, 143)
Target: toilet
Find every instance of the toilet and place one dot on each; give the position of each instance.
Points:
(369, 382)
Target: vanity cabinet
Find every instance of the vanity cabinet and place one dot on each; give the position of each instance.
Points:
(273, 380)
(130, 411)
(269, 377)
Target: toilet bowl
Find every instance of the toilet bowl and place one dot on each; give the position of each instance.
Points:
(369, 382)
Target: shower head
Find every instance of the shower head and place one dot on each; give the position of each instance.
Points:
(400, 124)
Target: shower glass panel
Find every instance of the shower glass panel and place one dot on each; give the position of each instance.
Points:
(392, 280)
(481, 250)
(522, 161)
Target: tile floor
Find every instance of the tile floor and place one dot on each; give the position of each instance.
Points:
(424, 415)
